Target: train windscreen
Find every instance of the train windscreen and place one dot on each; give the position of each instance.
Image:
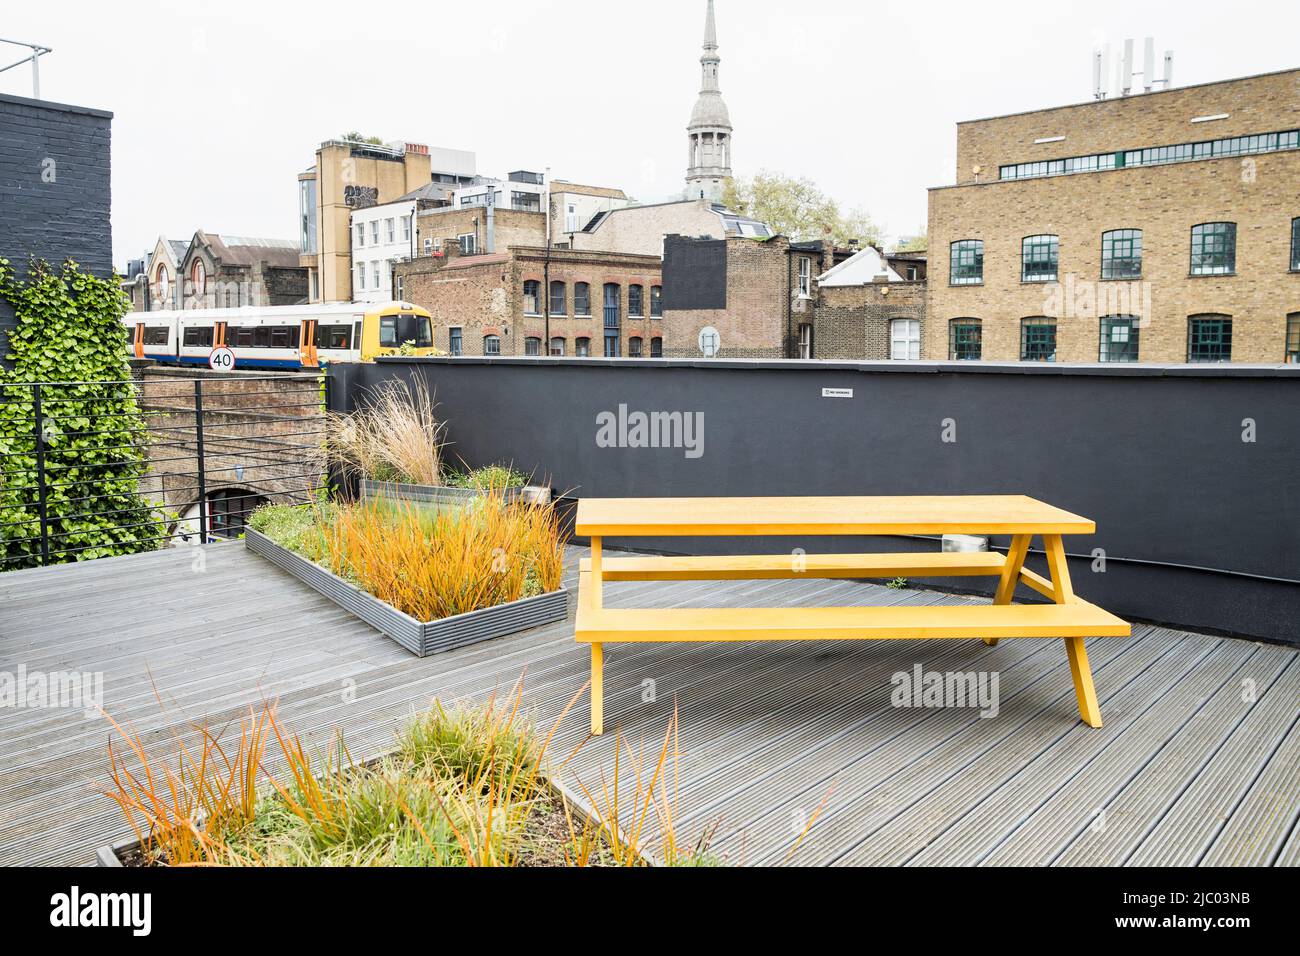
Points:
(403, 329)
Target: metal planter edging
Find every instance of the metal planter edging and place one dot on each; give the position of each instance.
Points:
(421, 638)
(426, 494)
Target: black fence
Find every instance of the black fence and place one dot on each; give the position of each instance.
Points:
(1191, 472)
(94, 469)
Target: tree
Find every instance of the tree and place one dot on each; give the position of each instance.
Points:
(917, 243)
(797, 209)
(354, 137)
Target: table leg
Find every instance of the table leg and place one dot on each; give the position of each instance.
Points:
(1010, 574)
(597, 650)
(1084, 691)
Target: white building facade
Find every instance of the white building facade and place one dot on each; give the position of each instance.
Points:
(382, 236)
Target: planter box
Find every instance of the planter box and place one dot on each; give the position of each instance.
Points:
(421, 638)
(426, 494)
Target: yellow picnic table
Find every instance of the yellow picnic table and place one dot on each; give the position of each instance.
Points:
(1068, 616)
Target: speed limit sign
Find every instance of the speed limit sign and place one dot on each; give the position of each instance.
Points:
(221, 359)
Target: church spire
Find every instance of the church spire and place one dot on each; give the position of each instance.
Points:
(709, 131)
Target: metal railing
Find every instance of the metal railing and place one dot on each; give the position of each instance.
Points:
(92, 469)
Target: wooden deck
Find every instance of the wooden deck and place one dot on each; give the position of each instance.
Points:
(1185, 771)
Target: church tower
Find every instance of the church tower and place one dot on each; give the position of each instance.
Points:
(710, 129)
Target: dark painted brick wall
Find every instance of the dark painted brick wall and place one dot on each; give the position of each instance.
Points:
(62, 218)
(1153, 454)
(695, 273)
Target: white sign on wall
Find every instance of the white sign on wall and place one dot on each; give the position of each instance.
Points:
(710, 341)
(221, 359)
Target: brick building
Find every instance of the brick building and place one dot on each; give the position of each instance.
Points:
(600, 303)
(1161, 227)
(227, 272)
(865, 309)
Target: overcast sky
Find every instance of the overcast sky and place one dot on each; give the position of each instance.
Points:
(219, 106)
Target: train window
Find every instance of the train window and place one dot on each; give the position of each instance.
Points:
(285, 336)
(240, 337)
(198, 337)
(157, 335)
(333, 336)
(262, 337)
(404, 329)
(388, 331)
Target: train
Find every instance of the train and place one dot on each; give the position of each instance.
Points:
(288, 337)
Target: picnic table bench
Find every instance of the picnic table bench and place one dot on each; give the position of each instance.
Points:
(1068, 616)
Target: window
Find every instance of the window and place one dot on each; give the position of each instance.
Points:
(557, 345)
(428, 246)
(374, 232)
(558, 305)
(1293, 338)
(164, 285)
(635, 300)
(1038, 258)
(374, 274)
(1295, 245)
(240, 337)
(532, 346)
(199, 277)
(1209, 338)
(966, 262)
(805, 341)
(905, 340)
(491, 345)
(333, 336)
(1038, 340)
(911, 273)
(525, 202)
(634, 347)
(400, 287)
(228, 511)
(1119, 339)
(613, 319)
(361, 234)
(581, 298)
(455, 342)
(656, 302)
(532, 297)
(582, 347)
(406, 228)
(158, 335)
(805, 277)
(389, 227)
(361, 276)
(1121, 254)
(196, 337)
(571, 217)
(398, 330)
(1214, 249)
(307, 215)
(284, 337)
(468, 243)
(965, 340)
(656, 347)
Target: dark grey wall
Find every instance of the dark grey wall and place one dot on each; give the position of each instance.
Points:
(54, 188)
(695, 273)
(1153, 454)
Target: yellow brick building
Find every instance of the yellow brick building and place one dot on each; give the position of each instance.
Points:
(1161, 227)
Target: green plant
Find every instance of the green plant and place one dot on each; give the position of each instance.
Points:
(69, 330)
(897, 584)
(392, 437)
(487, 478)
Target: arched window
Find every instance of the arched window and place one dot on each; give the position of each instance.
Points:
(557, 345)
(965, 340)
(635, 301)
(1214, 249)
(1121, 254)
(558, 306)
(634, 347)
(1039, 256)
(199, 277)
(966, 262)
(656, 347)
(905, 340)
(613, 319)
(1209, 338)
(164, 285)
(532, 297)
(532, 346)
(582, 347)
(491, 345)
(1293, 338)
(1119, 338)
(1295, 245)
(229, 510)
(1038, 339)
(656, 302)
(581, 299)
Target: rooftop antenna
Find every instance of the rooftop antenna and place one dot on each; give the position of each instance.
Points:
(1114, 75)
(38, 50)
